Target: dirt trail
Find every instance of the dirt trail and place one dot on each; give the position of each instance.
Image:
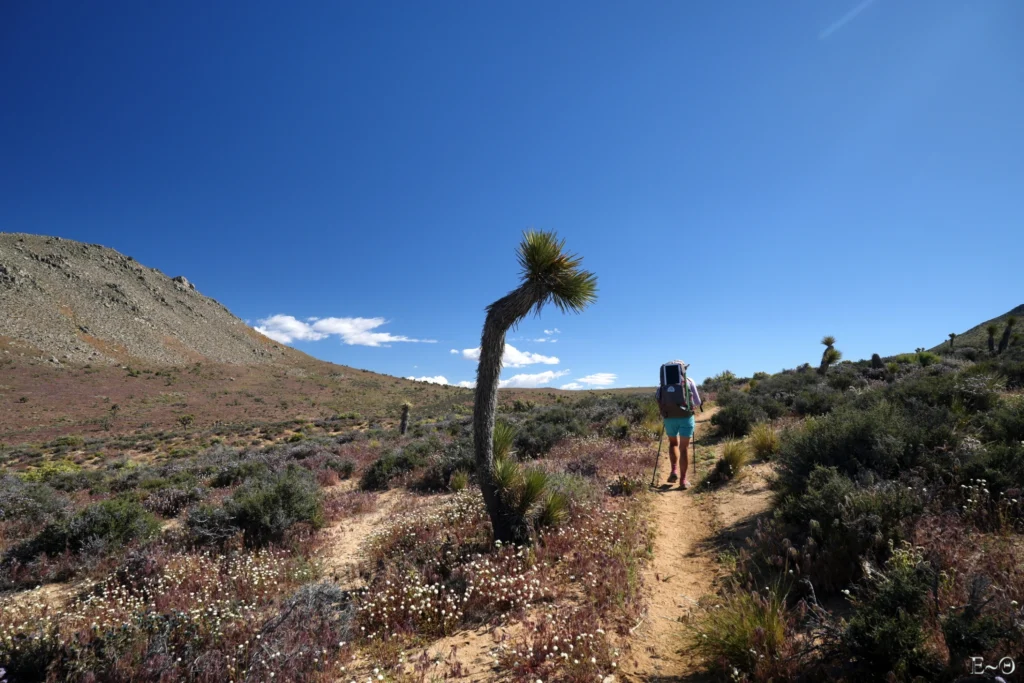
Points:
(690, 527)
(343, 548)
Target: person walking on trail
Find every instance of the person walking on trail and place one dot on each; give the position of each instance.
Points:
(677, 405)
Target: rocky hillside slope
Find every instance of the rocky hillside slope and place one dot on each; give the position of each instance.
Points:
(75, 302)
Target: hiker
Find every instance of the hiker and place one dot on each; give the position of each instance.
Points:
(677, 407)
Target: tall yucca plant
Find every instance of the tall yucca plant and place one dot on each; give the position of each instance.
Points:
(991, 329)
(547, 275)
(1007, 333)
(831, 355)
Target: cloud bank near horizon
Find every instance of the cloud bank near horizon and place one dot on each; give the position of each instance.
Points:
(286, 329)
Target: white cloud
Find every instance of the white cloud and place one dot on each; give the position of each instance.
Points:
(600, 379)
(352, 331)
(514, 358)
(467, 385)
(455, 351)
(530, 381)
(440, 379)
(541, 339)
(286, 329)
(551, 332)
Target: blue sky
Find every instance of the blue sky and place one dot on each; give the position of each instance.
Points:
(743, 177)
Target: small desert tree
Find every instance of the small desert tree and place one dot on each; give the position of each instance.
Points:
(992, 328)
(952, 336)
(547, 275)
(831, 355)
(1007, 333)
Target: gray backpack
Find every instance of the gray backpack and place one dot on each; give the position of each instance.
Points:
(674, 398)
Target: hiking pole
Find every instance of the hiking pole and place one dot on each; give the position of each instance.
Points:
(654, 475)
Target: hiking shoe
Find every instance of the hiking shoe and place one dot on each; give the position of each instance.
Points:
(673, 478)
(685, 484)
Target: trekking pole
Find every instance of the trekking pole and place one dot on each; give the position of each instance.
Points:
(657, 459)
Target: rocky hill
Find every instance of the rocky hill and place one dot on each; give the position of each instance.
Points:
(75, 302)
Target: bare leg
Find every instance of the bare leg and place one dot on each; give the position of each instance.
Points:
(673, 453)
(684, 449)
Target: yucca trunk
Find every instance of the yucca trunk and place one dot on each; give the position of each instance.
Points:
(991, 342)
(1004, 341)
(509, 526)
(403, 426)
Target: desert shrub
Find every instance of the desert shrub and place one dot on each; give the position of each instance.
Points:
(457, 456)
(48, 470)
(886, 633)
(265, 508)
(618, 427)
(379, 474)
(538, 434)
(881, 439)
(977, 393)
(169, 502)
(316, 617)
(30, 502)
(749, 636)
(765, 441)
(210, 525)
(1005, 423)
(237, 472)
(975, 628)
(845, 522)
(817, 400)
(116, 521)
(28, 656)
(926, 358)
(737, 418)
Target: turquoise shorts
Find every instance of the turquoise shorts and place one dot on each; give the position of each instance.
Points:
(680, 426)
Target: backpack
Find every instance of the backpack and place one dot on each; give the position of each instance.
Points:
(674, 397)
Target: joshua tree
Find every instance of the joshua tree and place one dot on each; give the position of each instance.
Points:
(952, 336)
(403, 426)
(830, 356)
(547, 274)
(876, 361)
(1007, 333)
(991, 328)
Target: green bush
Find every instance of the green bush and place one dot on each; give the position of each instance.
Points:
(30, 502)
(441, 467)
(880, 439)
(738, 418)
(817, 400)
(539, 434)
(886, 633)
(846, 522)
(265, 508)
(116, 521)
(378, 476)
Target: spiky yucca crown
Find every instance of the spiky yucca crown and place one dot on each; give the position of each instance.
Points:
(552, 275)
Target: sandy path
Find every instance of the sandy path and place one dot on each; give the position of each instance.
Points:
(690, 528)
(343, 547)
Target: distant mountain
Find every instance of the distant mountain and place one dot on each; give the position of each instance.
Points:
(75, 302)
(978, 337)
(91, 340)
